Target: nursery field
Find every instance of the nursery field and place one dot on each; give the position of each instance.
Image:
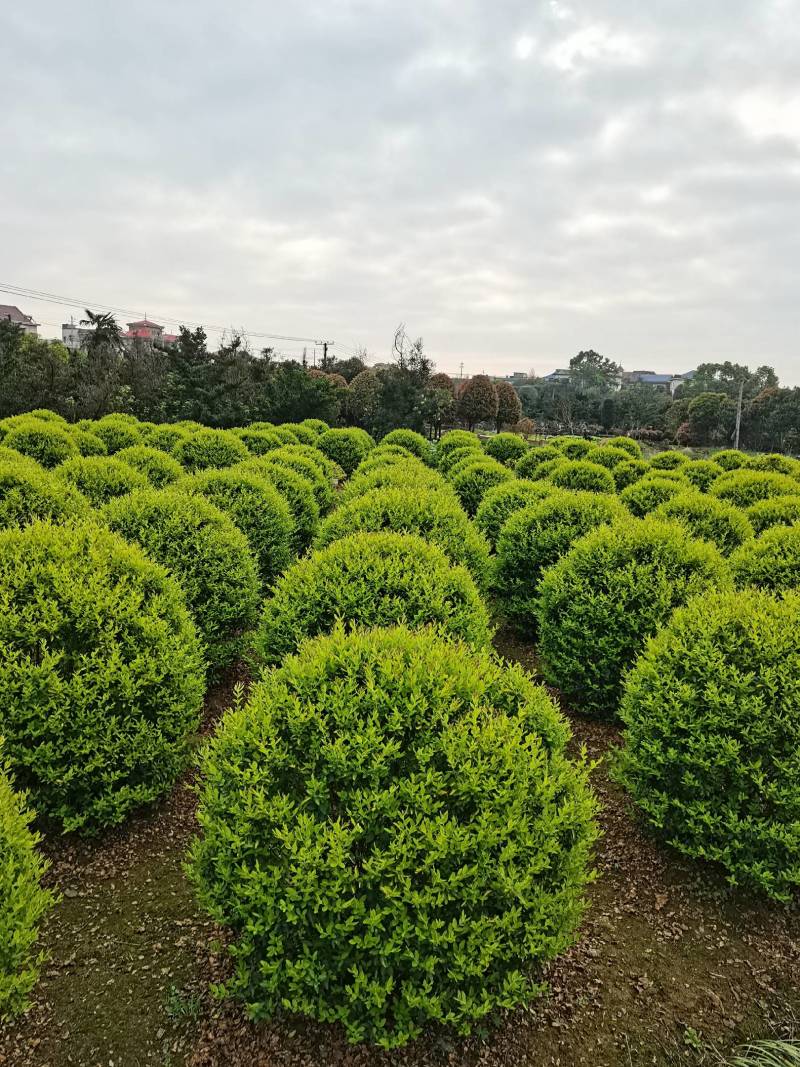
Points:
(319, 750)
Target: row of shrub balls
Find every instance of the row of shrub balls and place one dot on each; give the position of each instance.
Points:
(390, 824)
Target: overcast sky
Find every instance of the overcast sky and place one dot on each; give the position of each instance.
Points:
(514, 181)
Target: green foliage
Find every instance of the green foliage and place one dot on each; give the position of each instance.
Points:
(259, 442)
(414, 442)
(396, 835)
(628, 444)
(210, 557)
(100, 478)
(27, 492)
(768, 1054)
(668, 461)
(346, 447)
(101, 673)
(535, 457)
(649, 493)
(370, 579)
(506, 448)
(165, 437)
(311, 465)
(456, 439)
(474, 480)
(412, 474)
(46, 442)
(210, 448)
(158, 468)
(116, 432)
(477, 400)
(88, 444)
(730, 458)
(701, 473)
(745, 487)
(500, 503)
(23, 901)
(600, 603)
(581, 474)
(774, 511)
(771, 562)
(572, 447)
(257, 508)
(537, 537)
(304, 435)
(449, 460)
(627, 473)
(384, 456)
(317, 426)
(709, 519)
(712, 739)
(609, 456)
(297, 491)
(434, 516)
(773, 461)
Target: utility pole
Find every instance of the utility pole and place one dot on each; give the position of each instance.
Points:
(739, 415)
(461, 371)
(305, 360)
(325, 345)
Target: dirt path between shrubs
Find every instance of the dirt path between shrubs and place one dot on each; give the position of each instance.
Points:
(671, 966)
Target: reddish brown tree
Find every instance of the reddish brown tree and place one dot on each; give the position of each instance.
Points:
(477, 401)
(509, 406)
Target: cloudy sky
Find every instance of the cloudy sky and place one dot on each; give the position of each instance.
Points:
(514, 181)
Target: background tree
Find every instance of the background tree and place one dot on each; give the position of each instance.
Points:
(509, 406)
(364, 400)
(477, 401)
(711, 418)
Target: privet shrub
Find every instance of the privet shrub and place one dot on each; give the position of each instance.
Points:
(46, 442)
(116, 432)
(668, 461)
(259, 442)
(23, 901)
(413, 442)
(712, 738)
(88, 444)
(286, 435)
(701, 473)
(453, 460)
(628, 444)
(318, 426)
(371, 579)
(609, 456)
(771, 561)
(583, 474)
(101, 673)
(384, 456)
(500, 503)
(27, 492)
(305, 435)
(534, 458)
(46, 415)
(291, 459)
(100, 478)
(573, 447)
(158, 468)
(396, 835)
(473, 481)
(412, 473)
(326, 467)
(205, 551)
(257, 508)
(210, 448)
(627, 473)
(730, 458)
(165, 437)
(297, 491)
(599, 604)
(536, 538)
(544, 470)
(774, 511)
(456, 439)
(434, 516)
(506, 448)
(345, 447)
(744, 487)
(773, 461)
(650, 493)
(709, 519)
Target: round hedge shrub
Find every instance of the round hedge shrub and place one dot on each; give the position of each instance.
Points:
(419, 846)
(345, 447)
(712, 736)
(318, 426)
(23, 901)
(370, 579)
(307, 467)
(158, 468)
(744, 487)
(286, 435)
(771, 561)
(259, 442)
(506, 448)
(16, 459)
(774, 511)
(668, 461)
(633, 448)
(46, 415)
(536, 538)
(500, 503)
(326, 467)
(46, 442)
(534, 458)
(573, 447)
(701, 473)
(609, 456)
(456, 439)
(166, 437)
(257, 508)
(205, 551)
(709, 519)
(599, 604)
(413, 442)
(448, 461)
(472, 482)
(210, 448)
(297, 491)
(413, 474)
(730, 458)
(628, 472)
(581, 474)
(773, 461)
(436, 517)
(303, 434)
(384, 456)
(100, 478)
(116, 432)
(101, 673)
(650, 493)
(88, 444)
(27, 493)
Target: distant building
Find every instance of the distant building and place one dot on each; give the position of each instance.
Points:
(557, 377)
(13, 314)
(74, 337)
(144, 330)
(667, 383)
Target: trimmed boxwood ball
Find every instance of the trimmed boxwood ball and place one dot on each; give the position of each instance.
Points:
(23, 901)
(412, 441)
(581, 474)
(500, 503)
(303, 434)
(101, 672)
(534, 458)
(668, 461)
(88, 444)
(46, 442)
(632, 447)
(537, 537)
(649, 493)
(27, 492)
(317, 425)
(456, 439)
(296, 490)
(771, 561)
(205, 551)
(614, 588)
(448, 461)
(701, 473)
(100, 478)
(382, 456)
(166, 436)
(573, 447)
(346, 447)
(286, 435)
(709, 519)
(473, 481)
(411, 473)
(327, 467)
(544, 470)
(625, 474)
(257, 508)
(259, 442)
(744, 487)
(730, 458)
(506, 448)
(395, 834)
(116, 432)
(158, 468)
(712, 736)
(307, 467)
(370, 579)
(436, 517)
(46, 415)
(774, 461)
(210, 448)
(609, 456)
(774, 511)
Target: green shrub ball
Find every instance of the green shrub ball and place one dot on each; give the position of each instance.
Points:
(158, 468)
(771, 562)
(745, 487)
(370, 579)
(628, 472)
(296, 490)
(411, 474)
(27, 492)
(101, 672)
(701, 473)
(627, 444)
(573, 447)
(500, 503)
(100, 478)
(345, 447)
(473, 481)
(581, 474)
(600, 603)
(210, 448)
(395, 834)
(116, 432)
(774, 511)
(535, 457)
(649, 493)
(709, 519)
(46, 442)
(413, 442)
(668, 461)
(712, 736)
(506, 448)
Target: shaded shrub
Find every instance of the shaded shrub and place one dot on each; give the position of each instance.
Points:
(88, 444)
(46, 442)
(420, 844)
(210, 448)
(317, 425)
(668, 461)
(116, 432)
(259, 442)
(101, 673)
(616, 586)
(100, 478)
(650, 493)
(456, 439)
(534, 458)
(412, 442)
(573, 447)
(309, 468)
(581, 474)
(447, 461)
(473, 481)
(304, 435)
(345, 447)
(536, 538)
(412, 474)
(774, 461)
(371, 579)
(771, 561)
(158, 468)
(434, 516)
(712, 738)
(27, 492)
(709, 519)
(166, 437)
(210, 557)
(730, 458)
(500, 503)
(609, 456)
(633, 448)
(297, 491)
(701, 473)
(774, 511)
(744, 487)
(506, 448)
(383, 456)
(625, 474)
